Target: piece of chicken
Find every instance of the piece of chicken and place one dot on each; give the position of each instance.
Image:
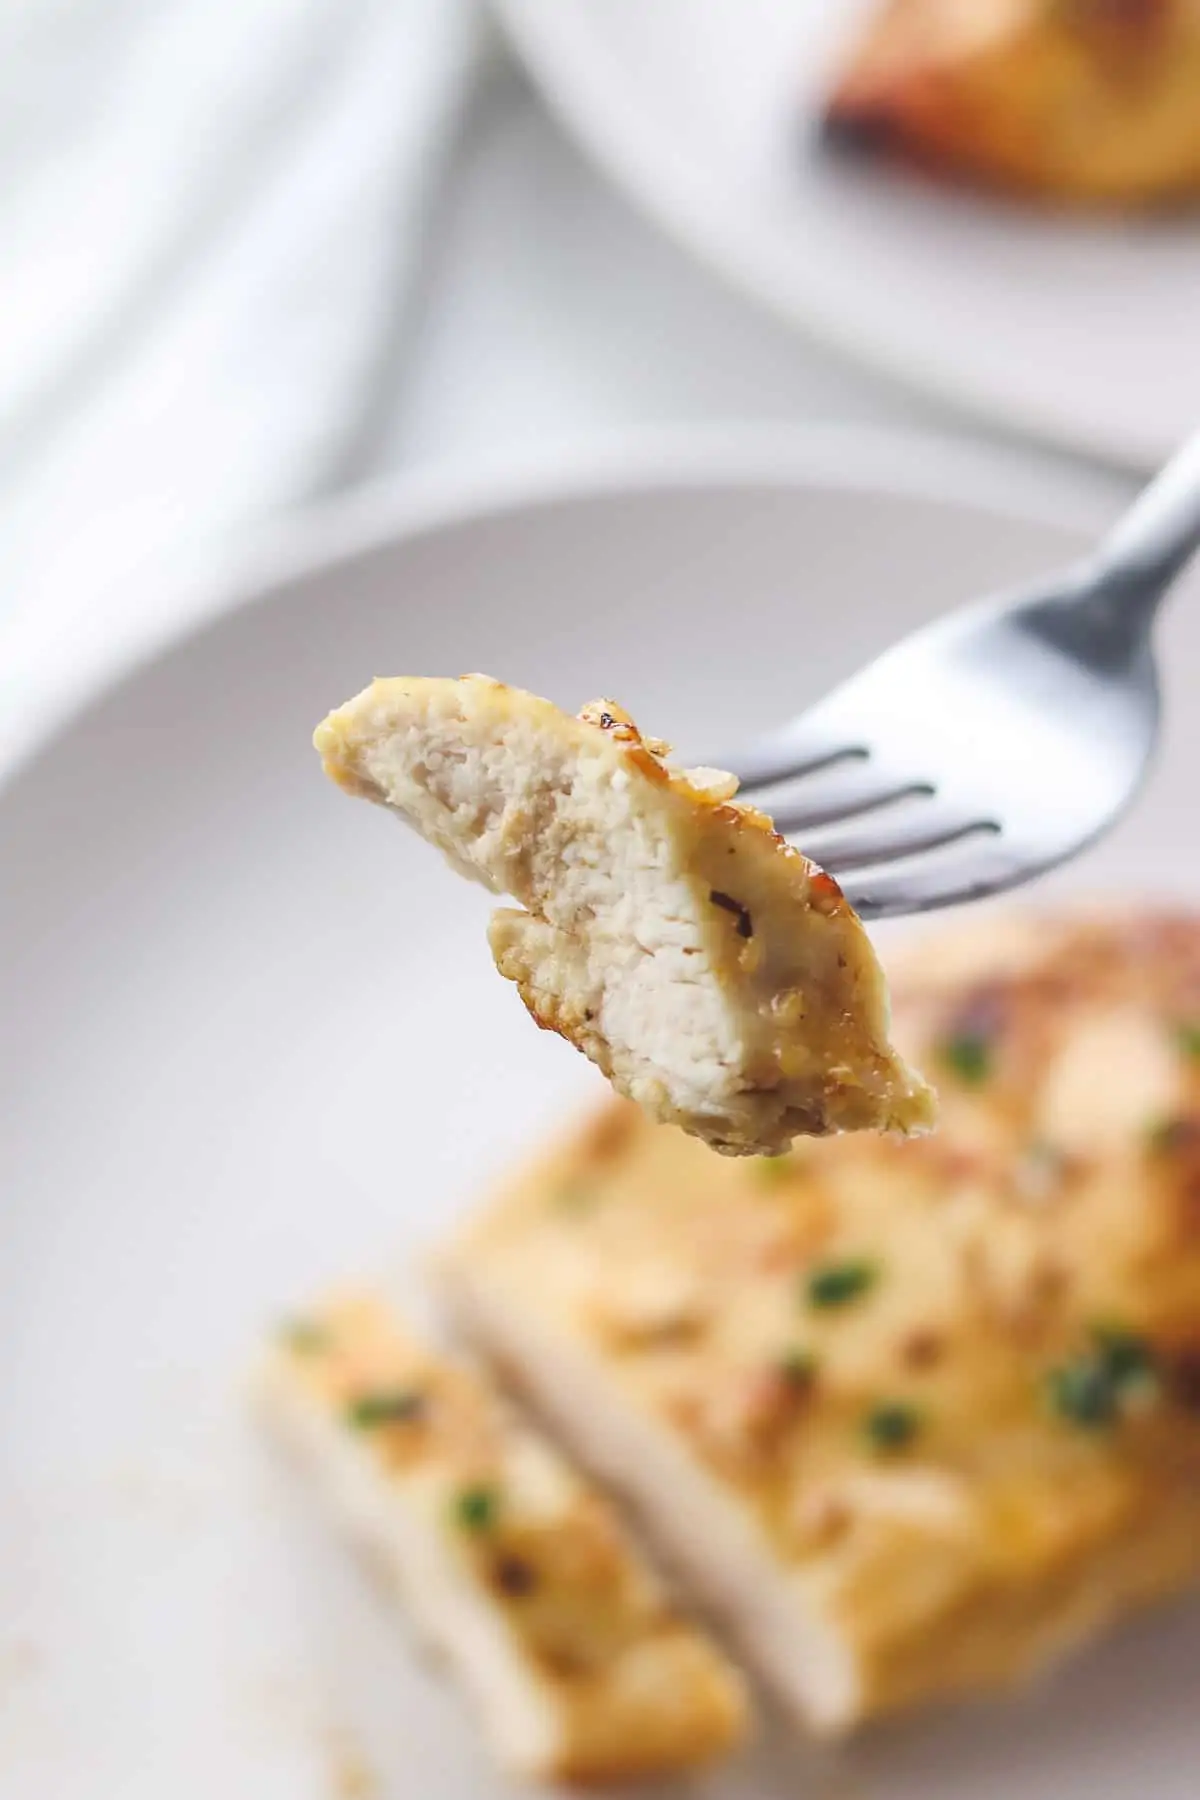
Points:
(916, 1419)
(506, 1557)
(1090, 101)
(714, 974)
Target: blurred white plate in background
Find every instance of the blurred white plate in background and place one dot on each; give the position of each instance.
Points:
(1080, 332)
(251, 1042)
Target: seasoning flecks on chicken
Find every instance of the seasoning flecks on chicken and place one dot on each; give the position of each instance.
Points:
(915, 1418)
(508, 1559)
(713, 973)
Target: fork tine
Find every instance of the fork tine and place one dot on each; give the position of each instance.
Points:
(800, 749)
(882, 841)
(981, 870)
(842, 795)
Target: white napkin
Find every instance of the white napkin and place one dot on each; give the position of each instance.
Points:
(211, 212)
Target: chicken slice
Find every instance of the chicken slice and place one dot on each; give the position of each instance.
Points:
(509, 1560)
(915, 1419)
(1094, 101)
(714, 974)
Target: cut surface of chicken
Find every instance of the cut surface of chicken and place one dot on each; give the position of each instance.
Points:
(916, 1419)
(508, 1560)
(714, 974)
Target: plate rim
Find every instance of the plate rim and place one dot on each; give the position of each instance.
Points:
(539, 32)
(941, 476)
(929, 465)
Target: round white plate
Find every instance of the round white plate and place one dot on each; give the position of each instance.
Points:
(1080, 332)
(251, 1042)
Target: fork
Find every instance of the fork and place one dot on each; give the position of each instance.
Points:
(995, 743)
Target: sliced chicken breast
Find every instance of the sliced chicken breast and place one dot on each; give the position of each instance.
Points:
(509, 1561)
(715, 975)
(916, 1419)
(1080, 101)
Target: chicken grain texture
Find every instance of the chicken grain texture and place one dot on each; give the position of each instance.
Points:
(714, 974)
(920, 1418)
(508, 1559)
(1079, 101)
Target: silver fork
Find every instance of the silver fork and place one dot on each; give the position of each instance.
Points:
(995, 743)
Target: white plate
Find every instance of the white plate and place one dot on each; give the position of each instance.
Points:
(1082, 333)
(250, 1041)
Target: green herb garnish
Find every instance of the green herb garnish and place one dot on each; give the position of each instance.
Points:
(1092, 1390)
(1084, 1394)
(892, 1425)
(1128, 1357)
(1188, 1038)
(839, 1283)
(969, 1055)
(476, 1507)
(393, 1406)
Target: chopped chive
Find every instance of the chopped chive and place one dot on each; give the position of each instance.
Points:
(1083, 1393)
(1188, 1038)
(839, 1283)
(304, 1336)
(476, 1507)
(1128, 1358)
(396, 1406)
(892, 1425)
(1092, 1390)
(969, 1055)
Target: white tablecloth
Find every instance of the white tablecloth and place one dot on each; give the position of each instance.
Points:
(367, 250)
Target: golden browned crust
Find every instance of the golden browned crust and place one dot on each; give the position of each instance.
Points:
(955, 1384)
(633, 1688)
(710, 970)
(1087, 101)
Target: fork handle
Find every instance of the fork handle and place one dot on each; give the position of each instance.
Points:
(1154, 542)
